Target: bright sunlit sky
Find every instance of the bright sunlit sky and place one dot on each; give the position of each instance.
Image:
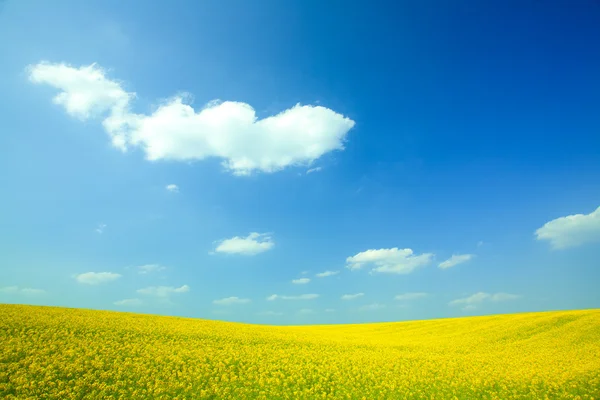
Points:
(292, 162)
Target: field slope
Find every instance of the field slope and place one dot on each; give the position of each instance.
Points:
(61, 353)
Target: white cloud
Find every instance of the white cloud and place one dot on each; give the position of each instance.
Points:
(175, 131)
(173, 188)
(352, 296)
(471, 302)
(301, 281)
(372, 307)
(129, 302)
(455, 260)
(149, 268)
(299, 297)
(411, 296)
(96, 278)
(572, 230)
(100, 229)
(230, 301)
(250, 245)
(317, 169)
(326, 274)
(163, 291)
(21, 291)
(394, 260)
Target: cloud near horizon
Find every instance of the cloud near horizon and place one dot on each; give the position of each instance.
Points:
(163, 291)
(310, 296)
(572, 230)
(227, 130)
(393, 261)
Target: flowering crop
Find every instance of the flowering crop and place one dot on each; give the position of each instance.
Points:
(59, 353)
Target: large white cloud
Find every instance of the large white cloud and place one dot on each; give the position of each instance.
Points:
(250, 245)
(175, 131)
(572, 230)
(455, 260)
(163, 291)
(96, 278)
(394, 260)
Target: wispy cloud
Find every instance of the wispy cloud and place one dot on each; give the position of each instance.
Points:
(129, 302)
(394, 260)
(572, 230)
(455, 260)
(270, 313)
(150, 268)
(301, 281)
(326, 274)
(175, 131)
(352, 296)
(163, 291)
(96, 278)
(100, 228)
(411, 296)
(26, 291)
(306, 311)
(310, 296)
(250, 245)
(228, 301)
(473, 301)
(313, 170)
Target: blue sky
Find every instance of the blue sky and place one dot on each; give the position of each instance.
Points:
(210, 159)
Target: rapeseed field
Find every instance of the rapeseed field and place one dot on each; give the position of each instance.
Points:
(60, 353)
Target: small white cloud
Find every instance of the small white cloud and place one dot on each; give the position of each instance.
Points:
(455, 260)
(176, 131)
(228, 301)
(270, 313)
(411, 296)
(150, 268)
(352, 296)
(326, 274)
(250, 245)
(301, 281)
(317, 169)
(372, 307)
(96, 278)
(471, 302)
(572, 230)
(129, 302)
(304, 273)
(329, 310)
(394, 260)
(163, 291)
(173, 188)
(306, 311)
(21, 291)
(299, 297)
(100, 229)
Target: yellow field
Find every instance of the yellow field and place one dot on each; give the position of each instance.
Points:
(48, 352)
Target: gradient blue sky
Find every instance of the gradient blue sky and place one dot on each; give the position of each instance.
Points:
(475, 124)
